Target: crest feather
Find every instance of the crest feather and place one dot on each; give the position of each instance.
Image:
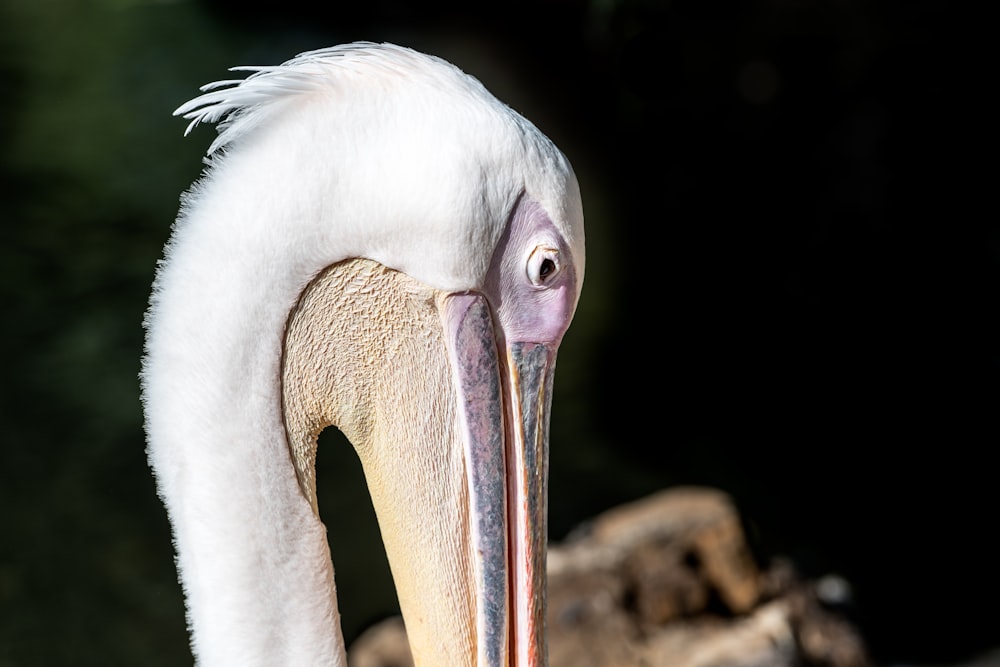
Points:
(234, 103)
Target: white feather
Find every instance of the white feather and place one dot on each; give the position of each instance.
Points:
(361, 150)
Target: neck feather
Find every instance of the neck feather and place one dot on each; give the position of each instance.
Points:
(252, 556)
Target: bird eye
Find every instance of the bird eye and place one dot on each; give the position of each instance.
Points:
(543, 265)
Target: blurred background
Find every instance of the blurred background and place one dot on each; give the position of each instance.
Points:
(788, 293)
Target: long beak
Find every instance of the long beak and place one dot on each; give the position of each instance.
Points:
(504, 398)
(454, 448)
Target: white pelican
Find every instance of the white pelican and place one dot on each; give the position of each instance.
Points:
(379, 244)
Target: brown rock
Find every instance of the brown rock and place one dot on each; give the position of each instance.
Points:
(669, 581)
(382, 645)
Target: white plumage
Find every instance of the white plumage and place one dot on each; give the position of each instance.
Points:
(357, 151)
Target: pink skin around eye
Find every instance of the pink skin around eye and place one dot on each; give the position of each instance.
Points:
(526, 312)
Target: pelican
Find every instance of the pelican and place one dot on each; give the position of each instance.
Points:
(378, 244)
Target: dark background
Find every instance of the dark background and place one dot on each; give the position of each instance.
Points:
(789, 290)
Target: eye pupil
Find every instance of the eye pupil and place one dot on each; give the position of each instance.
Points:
(542, 265)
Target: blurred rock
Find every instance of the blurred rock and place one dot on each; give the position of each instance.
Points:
(669, 581)
(382, 645)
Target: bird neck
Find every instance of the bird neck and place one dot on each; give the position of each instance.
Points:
(252, 556)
